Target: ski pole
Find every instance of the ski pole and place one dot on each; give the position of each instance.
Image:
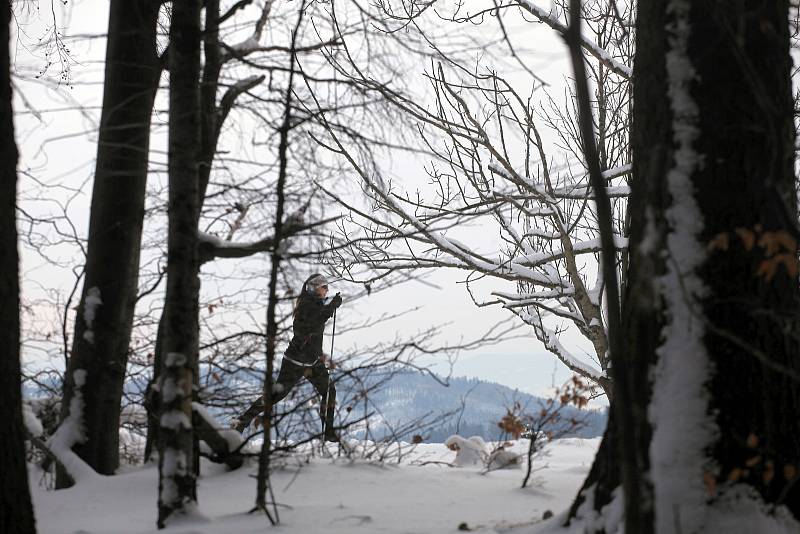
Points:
(333, 336)
(328, 389)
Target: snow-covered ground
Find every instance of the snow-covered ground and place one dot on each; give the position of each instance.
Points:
(332, 495)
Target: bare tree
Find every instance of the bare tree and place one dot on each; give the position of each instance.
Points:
(177, 484)
(105, 314)
(491, 168)
(263, 484)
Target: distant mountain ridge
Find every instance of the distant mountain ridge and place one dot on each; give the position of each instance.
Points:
(477, 406)
(466, 406)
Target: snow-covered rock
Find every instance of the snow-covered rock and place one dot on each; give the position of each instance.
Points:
(469, 452)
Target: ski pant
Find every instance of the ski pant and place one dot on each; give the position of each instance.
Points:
(289, 375)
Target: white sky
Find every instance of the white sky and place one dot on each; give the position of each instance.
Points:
(67, 158)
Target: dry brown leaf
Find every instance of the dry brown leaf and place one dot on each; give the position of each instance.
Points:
(774, 242)
(755, 460)
(767, 269)
(719, 242)
(769, 473)
(735, 474)
(710, 482)
(747, 236)
(789, 472)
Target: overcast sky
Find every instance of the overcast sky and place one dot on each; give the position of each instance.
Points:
(60, 148)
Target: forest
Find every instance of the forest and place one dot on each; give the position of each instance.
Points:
(195, 191)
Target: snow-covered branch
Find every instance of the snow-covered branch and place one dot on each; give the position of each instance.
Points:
(601, 55)
(212, 247)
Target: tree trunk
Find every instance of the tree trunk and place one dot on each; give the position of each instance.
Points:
(711, 310)
(105, 313)
(177, 483)
(263, 486)
(747, 184)
(604, 475)
(16, 511)
(743, 186)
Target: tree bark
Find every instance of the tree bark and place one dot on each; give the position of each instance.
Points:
(105, 314)
(177, 483)
(743, 185)
(16, 510)
(747, 183)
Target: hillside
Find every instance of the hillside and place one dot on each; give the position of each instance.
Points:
(467, 406)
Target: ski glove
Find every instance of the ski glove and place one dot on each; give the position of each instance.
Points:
(336, 301)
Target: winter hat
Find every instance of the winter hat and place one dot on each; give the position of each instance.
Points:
(314, 281)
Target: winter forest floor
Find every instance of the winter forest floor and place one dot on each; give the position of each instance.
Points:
(333, 496)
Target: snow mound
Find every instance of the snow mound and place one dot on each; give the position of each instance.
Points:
(469, 452)
(503, 459)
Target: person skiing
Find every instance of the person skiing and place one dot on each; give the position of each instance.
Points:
(303, 357)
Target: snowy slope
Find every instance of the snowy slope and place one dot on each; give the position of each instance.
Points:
(334, 496)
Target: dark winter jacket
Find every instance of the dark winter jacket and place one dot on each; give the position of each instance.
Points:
(309, 323)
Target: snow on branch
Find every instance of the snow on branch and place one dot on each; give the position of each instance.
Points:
(582, 247)
(230, 96)
(469, 257)
(212, 247)
(551, 342)
(538, 295)
(515, 177)
(251, 44)
(616, 172)
(580, 189)
(586, 192)
(602, 55)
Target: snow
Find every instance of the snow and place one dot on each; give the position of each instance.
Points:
(90, 305)
(610, 519)
(504, 459)
(682, 427)
(212, 240)
(246, 46)
(581, 247)
(171, 390)
(551, 342)
(233, 438)
(174, 419)
(741, 511)
(334, 496)
(71, 432)
(469, 452)
(32, 423)
(175, 359)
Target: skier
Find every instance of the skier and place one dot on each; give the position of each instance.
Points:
(303, 357)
